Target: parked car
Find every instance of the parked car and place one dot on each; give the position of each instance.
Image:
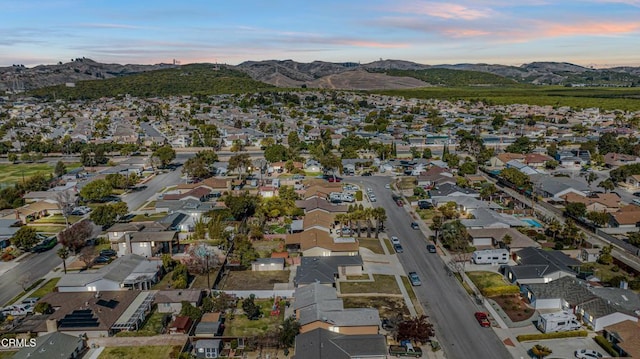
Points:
(395, 240)
(108, 253)
(637, 194)
(483, 319)
(387, 186)
(400, 203)
(102, 260)
(431, 248)
(372, 198)
(398, 248)
(414, 225)
(415, 280)
(367, 174)
(31, 301)
(587, 354)
(45, 245)
(334, 179)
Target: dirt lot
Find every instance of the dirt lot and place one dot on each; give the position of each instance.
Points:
(514, 307)
(388, 307)
(246, 280)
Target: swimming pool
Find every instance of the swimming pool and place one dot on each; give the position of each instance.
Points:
(532, 222)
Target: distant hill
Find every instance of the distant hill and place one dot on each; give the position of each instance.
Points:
(22, 78)
(194, 79)
(156, 80)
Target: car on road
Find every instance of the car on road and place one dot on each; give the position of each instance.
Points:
(431, 248)
(483, 319)
(387, 186)
(108, 253)
(45, 245)
(398, 248)
(400, 203)
(367, 174)
(372, 198)
(637, 194)
(395, 240)
(334, 179)
(80, 211)
(587, 354)
(414, 225)
(415, 280)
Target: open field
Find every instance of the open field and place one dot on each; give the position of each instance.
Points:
(13, 173)
(387, 306)
(382, 284)
(247, 280)
(620, 98)
(157, 352)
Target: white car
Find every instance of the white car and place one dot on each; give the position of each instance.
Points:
(387, 186)
(587, 354)
(395, 240)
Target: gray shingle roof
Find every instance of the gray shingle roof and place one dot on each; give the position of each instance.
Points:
(116, 271)
(53, 345)
(323, 344)
(312, 294)
(323, 269)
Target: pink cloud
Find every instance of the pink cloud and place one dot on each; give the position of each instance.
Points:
(590, 28)
(445, 10)
(371, 44)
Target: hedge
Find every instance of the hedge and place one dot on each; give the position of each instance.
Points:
(500, 290)
(557, 335)
(604, 343)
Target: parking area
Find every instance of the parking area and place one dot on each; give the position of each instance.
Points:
(565, 348)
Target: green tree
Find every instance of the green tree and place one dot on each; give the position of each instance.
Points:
(116, 180)
(607, 185)
(600, 219)
(96, 190)
(605, 255)
(454, 236)
(60, 169)
(436, 225)
(196, 168)
(43, 308)
(468, 168)
(487, 190)
(108, 214)
(521, 145)
(591, 177)
(190, 311)
(239, 162)
(293, 141)
(575, 209)
(251, 310)
(608, 142)
(25, 238)
(288, 331)
(276, 152)
(165, 155)
(63, 253)
(12, 157)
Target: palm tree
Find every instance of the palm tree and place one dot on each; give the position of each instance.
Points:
(380, 215)
(554, 227)
(368, 214)
(63, 253)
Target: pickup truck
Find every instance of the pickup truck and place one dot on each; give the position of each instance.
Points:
(405, 350)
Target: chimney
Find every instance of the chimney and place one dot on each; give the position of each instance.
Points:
(52, 325)
(127, 240)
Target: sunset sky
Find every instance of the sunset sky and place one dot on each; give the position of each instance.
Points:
(589, 32)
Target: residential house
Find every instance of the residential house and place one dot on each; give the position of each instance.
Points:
(319, 204)
(316, 242)
(170, 301)
(324, 344)
(267, 264)
(95, 314)
(147, 243)
(200, 193)
(626, 218)
(464, 204)
(485, 238)
(527, 170)
(597, 307)
(207, 348)
(536, 160)
(435, 176)
(449, 190)
(54, 345)
(615, 160)
(320, 307)
(596, 202)
(36, 210)
(624, 337)
(539, 266)
(326, 270)
(487, 218)
(500, 160)
(178, 221)
(322, 191)
(556, 187)
(633, 181)
(476, 181)
(312, 166)
(321, 220)
(8, 227)
(127, 272)
(590, 255)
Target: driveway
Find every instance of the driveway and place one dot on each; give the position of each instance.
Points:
(565, 348)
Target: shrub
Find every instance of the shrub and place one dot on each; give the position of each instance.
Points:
(542, 336)
(604, 343)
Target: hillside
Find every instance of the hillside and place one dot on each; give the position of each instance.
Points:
(24, 78)
(196, 79)
(453, 78)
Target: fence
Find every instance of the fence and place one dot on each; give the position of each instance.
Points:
(263, 294)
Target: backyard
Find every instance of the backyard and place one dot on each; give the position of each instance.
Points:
(382, 284)
(248, 280)
(155, 352)
(238, 325)
(153, 325)
(265, 248)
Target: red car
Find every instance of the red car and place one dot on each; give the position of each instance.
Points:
(483, 319)
(334, 179)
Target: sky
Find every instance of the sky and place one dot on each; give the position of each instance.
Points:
(597, 33)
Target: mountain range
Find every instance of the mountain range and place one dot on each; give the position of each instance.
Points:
(383, 74)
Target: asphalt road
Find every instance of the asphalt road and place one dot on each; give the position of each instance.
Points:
(31, 268)
(449, 307)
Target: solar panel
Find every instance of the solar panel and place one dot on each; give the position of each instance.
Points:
(109, 304)
(79, 319)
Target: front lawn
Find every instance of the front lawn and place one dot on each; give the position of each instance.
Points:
(248, 280)
(47, 288)
(387, 306)
(514, 307)
(240, 326)
(382, 284)
(57, 219)
(372, 244)
(7, 354)
(49, 228)
(484, 280)
(156, 352)
(148, 217)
